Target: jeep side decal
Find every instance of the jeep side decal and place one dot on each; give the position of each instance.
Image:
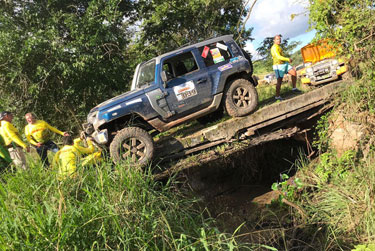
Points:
(216, 55)
(225, 67)
(221, 46)
(185, 90)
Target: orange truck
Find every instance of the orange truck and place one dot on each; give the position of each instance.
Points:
(321, 64)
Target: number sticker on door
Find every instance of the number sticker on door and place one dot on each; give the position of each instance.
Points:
(185, 90)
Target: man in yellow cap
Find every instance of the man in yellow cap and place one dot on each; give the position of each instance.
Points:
(69, 156)
(12, 140)
(38, 133)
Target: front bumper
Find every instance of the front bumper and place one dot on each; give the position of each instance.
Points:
(100, 136)
(323, 78)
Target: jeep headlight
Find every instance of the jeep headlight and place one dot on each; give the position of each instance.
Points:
(309, 70)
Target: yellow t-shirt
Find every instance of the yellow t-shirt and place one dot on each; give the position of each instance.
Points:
(10, 134)
(66, 158)
(277, 55)
(39, 132)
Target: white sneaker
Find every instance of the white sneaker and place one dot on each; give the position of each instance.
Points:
(279, 98)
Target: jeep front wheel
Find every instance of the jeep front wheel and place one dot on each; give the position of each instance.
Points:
(241, 98)
(132, 144)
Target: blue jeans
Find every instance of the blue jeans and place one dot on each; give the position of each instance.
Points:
(42, 151)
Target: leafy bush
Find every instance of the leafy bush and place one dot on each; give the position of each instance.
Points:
(61, 58)
(350, 25)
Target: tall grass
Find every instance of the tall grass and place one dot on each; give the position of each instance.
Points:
(104, 207)
(340, 198)
(339, 190)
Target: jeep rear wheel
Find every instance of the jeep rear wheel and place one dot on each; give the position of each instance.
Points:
(241, 98)
(132, 144)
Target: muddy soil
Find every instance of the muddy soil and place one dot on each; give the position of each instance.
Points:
(239, 194)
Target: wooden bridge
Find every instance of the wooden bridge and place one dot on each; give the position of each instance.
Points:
(279, 120)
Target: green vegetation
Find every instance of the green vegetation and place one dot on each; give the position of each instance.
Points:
(338, 189)
(264, 65)
(102, 208)
(264, 49)
(61, 58)
(58, 56)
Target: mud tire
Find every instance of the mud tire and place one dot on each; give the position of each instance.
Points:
(241, 98)
(132, 144)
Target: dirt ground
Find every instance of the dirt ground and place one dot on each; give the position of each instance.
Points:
(237, 194)
(256, 216)
(240, 205)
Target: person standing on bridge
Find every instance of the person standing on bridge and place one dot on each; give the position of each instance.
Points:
(281, 67)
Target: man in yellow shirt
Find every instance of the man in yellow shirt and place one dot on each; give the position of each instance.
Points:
(281, 67)
(38, 133)
(12, 140)
(70, 155)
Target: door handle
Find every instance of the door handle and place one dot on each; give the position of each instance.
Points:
(201, 80)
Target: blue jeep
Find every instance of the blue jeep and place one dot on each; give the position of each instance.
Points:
(176, 87)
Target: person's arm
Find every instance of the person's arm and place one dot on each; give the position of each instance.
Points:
(277, 54)
(12, 133)
(54, 129)
(77, 142)
(86, 150)
(29, 138)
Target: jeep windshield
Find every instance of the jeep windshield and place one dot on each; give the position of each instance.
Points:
(146, 74)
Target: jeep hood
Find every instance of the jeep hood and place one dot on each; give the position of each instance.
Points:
(317, 52)
(118, 100)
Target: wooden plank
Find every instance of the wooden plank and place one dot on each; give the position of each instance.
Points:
(263, 117)
(185, 164)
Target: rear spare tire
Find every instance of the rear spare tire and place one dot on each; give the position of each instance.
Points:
(241, 98)
(132, 144)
